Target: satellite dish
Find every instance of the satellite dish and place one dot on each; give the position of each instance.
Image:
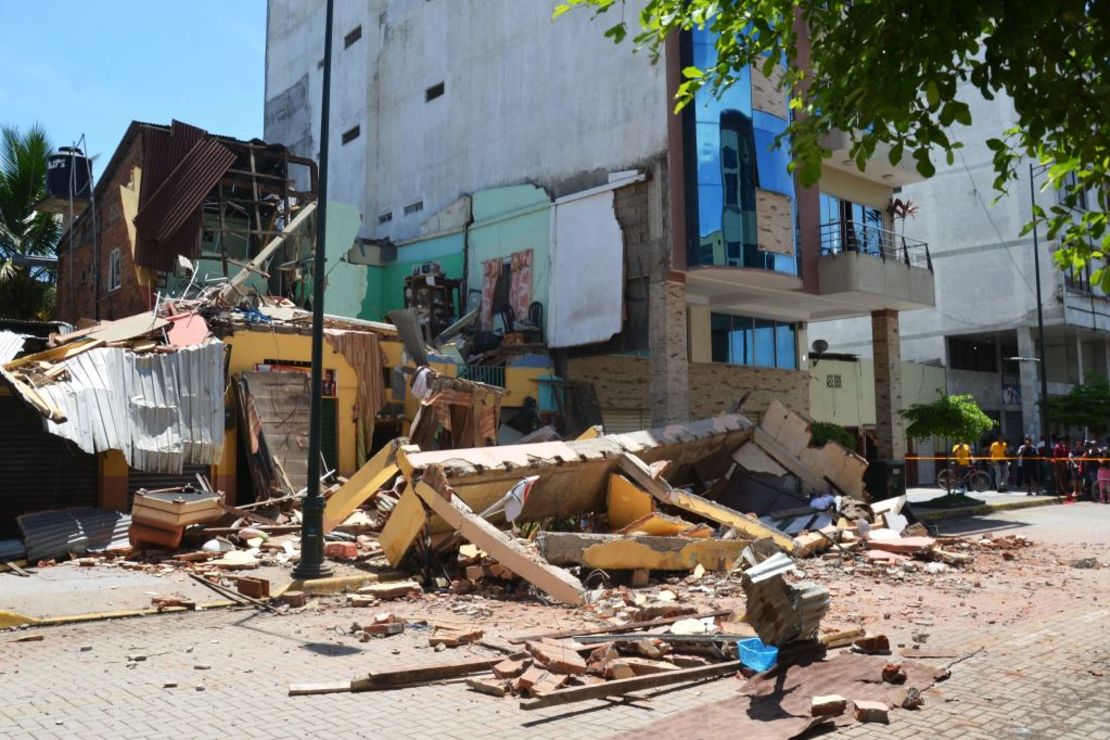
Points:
(820, 346)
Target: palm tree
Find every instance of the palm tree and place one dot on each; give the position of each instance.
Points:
(25, 292)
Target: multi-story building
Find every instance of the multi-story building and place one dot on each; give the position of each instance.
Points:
(675, 262)
(983, 329)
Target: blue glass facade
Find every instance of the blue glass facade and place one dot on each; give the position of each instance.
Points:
(735, 154)
(743, 340)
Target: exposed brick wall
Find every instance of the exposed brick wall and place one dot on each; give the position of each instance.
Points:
(76, 274)
(623, 383)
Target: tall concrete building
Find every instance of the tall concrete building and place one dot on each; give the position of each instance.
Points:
(986, 297)
(675, 262)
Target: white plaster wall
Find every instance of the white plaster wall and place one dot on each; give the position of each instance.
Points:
(527, 99)
(983, 269)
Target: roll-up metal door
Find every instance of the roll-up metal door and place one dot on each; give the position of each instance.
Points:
(38, 470)
(623, 421)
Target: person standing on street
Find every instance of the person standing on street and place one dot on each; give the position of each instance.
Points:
(1075, 468)
(1000, 464)
(1060, 465)
(1027, 454)
(1044, 464)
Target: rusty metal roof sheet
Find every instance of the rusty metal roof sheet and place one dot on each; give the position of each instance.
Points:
(177, 175)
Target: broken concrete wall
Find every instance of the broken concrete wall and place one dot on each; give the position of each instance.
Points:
(575, 474)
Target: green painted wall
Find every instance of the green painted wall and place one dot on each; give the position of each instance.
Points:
(346, 283)
(385, 286)
(507, 220)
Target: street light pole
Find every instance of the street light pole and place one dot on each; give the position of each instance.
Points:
(1040, 308)
(312, 563)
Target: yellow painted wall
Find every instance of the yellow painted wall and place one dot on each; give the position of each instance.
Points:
(853, 403)
(113, 480)
(251, 347)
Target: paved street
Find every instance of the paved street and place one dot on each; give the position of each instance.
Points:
(226, 673)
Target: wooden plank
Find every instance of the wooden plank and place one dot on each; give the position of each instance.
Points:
(506, 551)
(56, 354)
(616, 628)
(630, 552)
(362, 486)
(408, 675)
(32, 397)
(16, 569)
(742, 523)
(405, 522)
(327, 687)
(625, 685)
(129, 327)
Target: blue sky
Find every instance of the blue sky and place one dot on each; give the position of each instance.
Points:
(92, 66)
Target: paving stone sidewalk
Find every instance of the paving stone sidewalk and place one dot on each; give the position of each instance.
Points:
(1047, 679)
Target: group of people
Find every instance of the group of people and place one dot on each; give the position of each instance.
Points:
(1069, 468)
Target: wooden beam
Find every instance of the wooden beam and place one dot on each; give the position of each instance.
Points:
(361, 487)
(401, 530)
(625, 685)
(328, 687)
(746, 525)
(503, 548)
(260, 259)
(408, 675)
(629, 627)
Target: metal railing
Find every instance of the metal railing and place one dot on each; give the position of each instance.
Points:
(488, 374)
(864, 238)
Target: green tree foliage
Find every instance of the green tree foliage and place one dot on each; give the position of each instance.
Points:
(823, 431)
(24, 292)
(892, 72)
(1085, 405)
(949, 417)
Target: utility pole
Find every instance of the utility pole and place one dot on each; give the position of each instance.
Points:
(1040, 308)
(312, 510)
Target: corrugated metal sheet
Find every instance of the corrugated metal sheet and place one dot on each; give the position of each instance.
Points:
(51, 534)
(162, 151)
(163, 411)
(11, 344)
(11, 550)
(183, 191)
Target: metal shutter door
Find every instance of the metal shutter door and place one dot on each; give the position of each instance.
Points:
(39, 470)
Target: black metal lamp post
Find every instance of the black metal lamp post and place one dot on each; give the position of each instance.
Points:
(1040, 308)
(312, 563)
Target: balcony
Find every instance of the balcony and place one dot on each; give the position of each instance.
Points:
(879, 169)
(874, 268)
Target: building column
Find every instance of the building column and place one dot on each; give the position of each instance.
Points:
(886, 345)
(1079, 358)
(669, 365)
(1028, 372)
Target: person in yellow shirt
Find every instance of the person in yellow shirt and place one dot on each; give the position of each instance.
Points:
(961, 451)
(1000, 465)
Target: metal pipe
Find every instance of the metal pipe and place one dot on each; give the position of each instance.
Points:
(1040, 308)
(312, 511)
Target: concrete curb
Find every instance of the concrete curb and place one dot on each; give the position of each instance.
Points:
(1029, 502)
